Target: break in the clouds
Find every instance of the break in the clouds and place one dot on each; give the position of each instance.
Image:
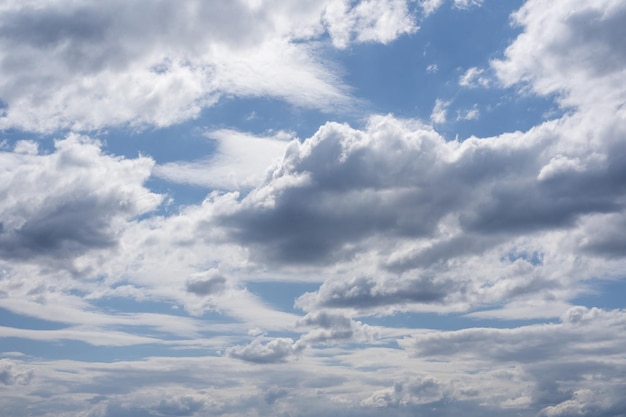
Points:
(212, 208)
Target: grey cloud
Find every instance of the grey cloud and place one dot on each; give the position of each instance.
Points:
(580, 331)
(273, 394)
(357, 185)
(67, 203)
(552, 361)
(605, 236)
(275, 351)
(345, 192)
(183, 406)
(47, 28)
(366, 293)
(12, 373)
(344, 187)
(329, 327)
(415, 391)
(211, 282)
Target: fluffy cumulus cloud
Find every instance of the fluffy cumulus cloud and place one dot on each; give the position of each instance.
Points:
(62, 205)
(570, 49)
(513, 204)
(274, 351)
(158, 63)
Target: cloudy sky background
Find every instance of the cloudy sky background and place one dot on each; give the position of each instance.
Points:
(312, 208)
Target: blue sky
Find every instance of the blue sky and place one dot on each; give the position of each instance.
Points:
(313, 208)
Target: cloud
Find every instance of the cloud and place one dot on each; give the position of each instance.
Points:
(159, 63)
(440, 111)
(183, 406)
(470, 114)
(368, 21)
(427, 213)
(466, 4)
(11, 373)
(240, 161)
(387, 217)
(415, 391)
(551, 360)
(367, 293)
(473, 78)
(570, 49)
(61, 205)
(275, 351)
(210, 282)
(430, 6)
(330, 327)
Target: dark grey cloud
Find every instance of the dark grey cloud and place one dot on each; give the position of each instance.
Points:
(366, 293)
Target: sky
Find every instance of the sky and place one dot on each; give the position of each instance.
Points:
(315, 208)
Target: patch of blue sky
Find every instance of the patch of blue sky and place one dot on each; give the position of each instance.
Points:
(183, 141)
(605, 294)
(281, 295)
(408, 76)
(45, 142)
(535, 258)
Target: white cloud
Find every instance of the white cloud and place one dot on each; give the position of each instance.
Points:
(389, 218)
(473, 78)
(435, 219)
(367, 21)
(571, 49)
(466, 4)
(430, 6)
(440, 111)
(159, 63)
(470, 114)
(274, 351)
(240, 161)
(62, 205)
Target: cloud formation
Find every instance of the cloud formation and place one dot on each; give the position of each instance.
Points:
(274, 351)
(159, 63)
(61, 205)
(357, 274)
